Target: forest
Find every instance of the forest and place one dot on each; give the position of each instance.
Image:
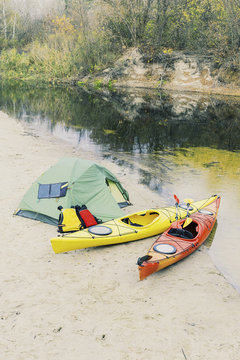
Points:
(57, 41)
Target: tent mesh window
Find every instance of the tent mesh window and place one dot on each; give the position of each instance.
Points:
(46, 191)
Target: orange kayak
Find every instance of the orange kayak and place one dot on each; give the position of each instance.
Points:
(178, 242)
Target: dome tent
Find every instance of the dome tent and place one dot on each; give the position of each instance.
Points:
(70, 182)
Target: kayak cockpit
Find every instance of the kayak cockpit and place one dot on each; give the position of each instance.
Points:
(181, 233)
(141, 220)
(189, 232)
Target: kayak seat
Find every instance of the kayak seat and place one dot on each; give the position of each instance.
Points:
(129, 222)
(184, 234)
(134, 224)
(192, 228)
(141, 220)
(135, 220)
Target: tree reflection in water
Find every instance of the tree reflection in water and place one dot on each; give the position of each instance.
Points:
(138, 122)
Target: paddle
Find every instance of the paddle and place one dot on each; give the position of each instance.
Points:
(188, 219)
(176, 204)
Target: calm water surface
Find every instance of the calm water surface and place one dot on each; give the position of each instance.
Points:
(187, 144)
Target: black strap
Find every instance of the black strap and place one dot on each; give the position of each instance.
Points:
(142, 259)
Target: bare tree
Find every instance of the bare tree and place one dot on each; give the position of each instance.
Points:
(4, 19)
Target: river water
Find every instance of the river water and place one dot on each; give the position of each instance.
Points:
(183, 143)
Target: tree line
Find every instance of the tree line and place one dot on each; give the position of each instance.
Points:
(77, 37)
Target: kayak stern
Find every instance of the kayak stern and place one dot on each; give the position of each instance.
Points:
(147, 269)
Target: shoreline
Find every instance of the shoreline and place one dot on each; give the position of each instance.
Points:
(90, 303)
(101, 82)
(218, 91)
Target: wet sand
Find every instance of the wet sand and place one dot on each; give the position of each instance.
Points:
(90, 304)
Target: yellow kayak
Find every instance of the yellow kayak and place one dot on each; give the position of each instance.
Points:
(136, 226)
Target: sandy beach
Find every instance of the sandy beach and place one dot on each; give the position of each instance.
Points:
(90, 304)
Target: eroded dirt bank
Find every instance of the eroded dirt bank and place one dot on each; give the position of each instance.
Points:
(176, 71)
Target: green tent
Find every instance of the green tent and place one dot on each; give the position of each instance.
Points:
(73, 181)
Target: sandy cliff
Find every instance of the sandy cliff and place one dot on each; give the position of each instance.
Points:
(171, 71)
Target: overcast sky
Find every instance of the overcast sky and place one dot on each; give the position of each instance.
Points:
(37, 7)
